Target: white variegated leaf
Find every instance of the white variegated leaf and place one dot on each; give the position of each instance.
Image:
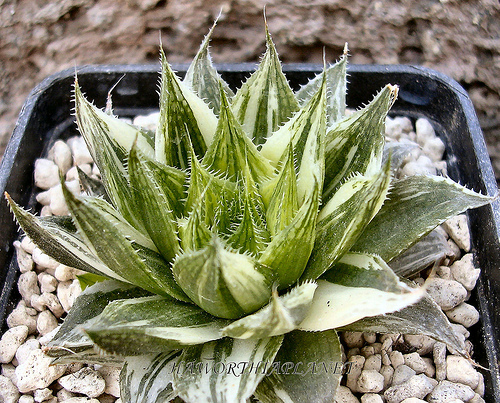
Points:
(265, 101)
(307, 368)
(70, 342)
(224, 371)
(225, 283)
(203, 79)
(148, 378)
(421, 203)
(355, 144)
(280, 316)
(152, 324)
(360, 285)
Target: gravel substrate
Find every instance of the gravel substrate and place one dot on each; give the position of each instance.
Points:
(388, 368)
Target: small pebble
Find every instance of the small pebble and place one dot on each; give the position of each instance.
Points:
(357, 363)
(41, 395)
(24, 351)
(460, 370)
(46, 173)
(415, 362)
(8, 391)
(62, 156)
(446, 293)
(344, 395)
(47, 282)
(36, 372)
(20, 316)
(446, 391)
(371, 398)
(27, 286)
(87, 381)
(81, 154)
(46, 322)
(67, 292)
(397, 359)
(424, 131)
(370, 381)
(43, 260)
(373, 362)
(111, 376)
(26, 399)
(464, 271)
(458, 229)
(24, 259)
(387, 372)
(11, 340)
(417, 386)
(401, 374)
(465, 314)
(353, 339)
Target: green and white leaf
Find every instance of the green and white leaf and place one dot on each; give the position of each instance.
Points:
(307, 368)
(265, 101)
(122, 249)
(355, 144)
(184, 119)
(280, 316)
(362, 285)
(222, 282)
(70, 340)
(148, 378)
(232, 152)
(91, 186)
(224, 371)
(57, 237)
(148, 195)
(152, 324)
(421, 203)
(424, 317)
(288, 252)
(204, 79)
(343, 219)
(336, 83)
(430, 250)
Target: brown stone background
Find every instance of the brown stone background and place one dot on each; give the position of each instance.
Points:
(457, 37)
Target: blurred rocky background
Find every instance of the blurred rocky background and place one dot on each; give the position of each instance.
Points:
(457, 37)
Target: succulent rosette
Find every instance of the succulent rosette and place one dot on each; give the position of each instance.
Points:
(226, 248)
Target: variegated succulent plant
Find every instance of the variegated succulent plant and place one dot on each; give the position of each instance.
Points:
(227, 248)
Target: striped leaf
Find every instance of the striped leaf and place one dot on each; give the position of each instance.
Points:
(343, 219)
(265, 101)
(223, 283)
(224, 371)
(213, 191)
(148, 195)
(193, 232)
(203, 78)
(421, 203)
(282, 315)
(57, 237)
(307, 368)
(125, 251)
(152, 324)
(148, 378)
(424, 317)
(109, 141)
(184, 118)
(279, 195)
(92, 186)
(359, 285)
(355, 144)
(232, 152)
(70, 342)
(336, 82)
(306, 131)
(288, 252)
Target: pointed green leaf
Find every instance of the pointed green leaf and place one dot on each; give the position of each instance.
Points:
(282, 315)
(203, 79)
(213, 191)
(193, 232)
(355, 144)
(359, 285)
(120, 247)
(148, 378)
(424, 317)
(152, 324)
(69, 339)
(224, 371)
(279, 195)
(109, 141)
(232, 151)
(265, 101)
(251, 234)
(421, 203)
(223, 283)
(157, 217)
(343, 219)
(288, 252)
(336, 82)
(307, 368)
(184, 118)
(57, 237)
(88, 279)
(306, 131)
(430, 250)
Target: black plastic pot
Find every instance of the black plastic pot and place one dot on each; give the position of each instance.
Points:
(46, 116)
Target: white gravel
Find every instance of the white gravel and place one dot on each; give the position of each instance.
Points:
(380, 372)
